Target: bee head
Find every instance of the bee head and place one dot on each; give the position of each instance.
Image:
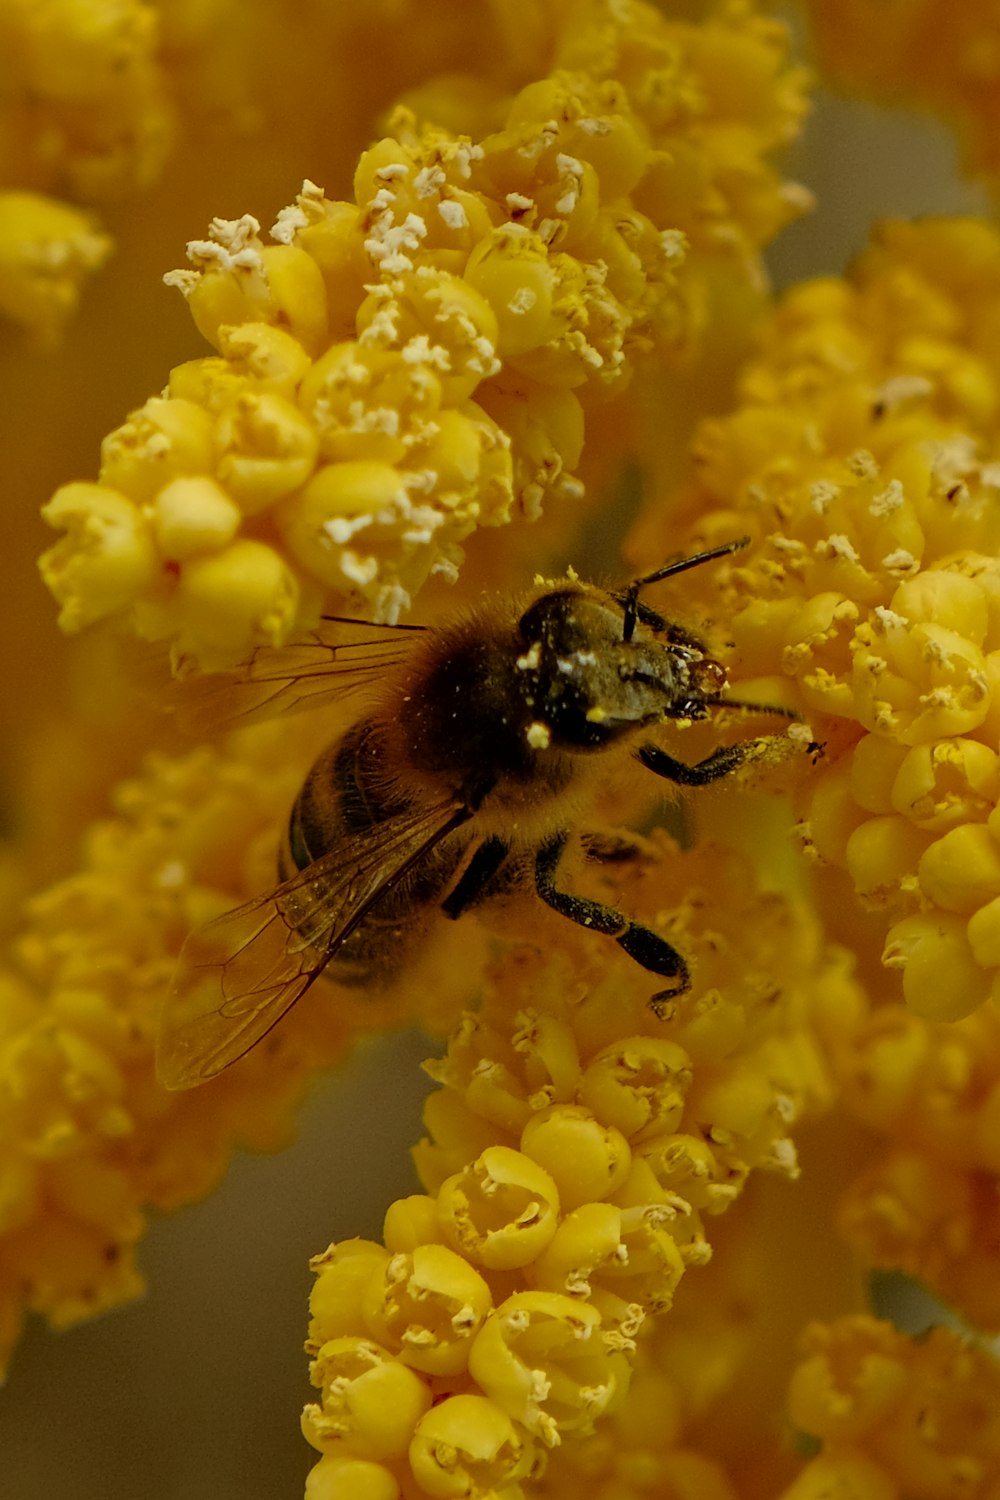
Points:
(590, 683)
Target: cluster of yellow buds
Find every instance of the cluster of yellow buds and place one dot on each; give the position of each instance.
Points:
(863, 456)
(896, 1416)
(395, 371)
(577, 1145)
(88, 1141)
(926, 1200)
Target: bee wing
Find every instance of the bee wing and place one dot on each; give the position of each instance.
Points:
(336, 658)
(237, 976)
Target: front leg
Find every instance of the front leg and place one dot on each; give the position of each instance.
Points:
(721, 762)
(646, 947)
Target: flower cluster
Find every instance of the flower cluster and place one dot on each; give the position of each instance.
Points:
(84, 116)
(915, 52)
(896, 1416)
(395, 371)
(863, 456)
(926, 1201)
(577, 1145)
(88, 1141)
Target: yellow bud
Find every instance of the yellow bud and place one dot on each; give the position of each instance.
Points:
(881, 854)
(941, 979)
(106, 559)
(944, 598)
(336, 1477)
(541, 1358)
(47, 250)
(267, 447)
(638, 1086)
(428, 1306)
(833, 814)
(229, 601)
(961, 871)
(371, 1403)
(465, 1446)
(193, 515)
(947, 782)
(440, 321)
(410, 1222)
(983, 933)
(343, 1273)
(875, 764)
(587, 1161)
(298, 295)
(588, 1242)
(164, 439)
(501, 1211)
(511, 271)
(339, 503)
(270, 357)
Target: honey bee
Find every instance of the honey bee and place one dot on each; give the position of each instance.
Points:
(468, 771)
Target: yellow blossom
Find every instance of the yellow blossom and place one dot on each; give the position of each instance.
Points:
(47, 250)
(394, 372)
(493, 1282)
(863, 455)
(896, 1416)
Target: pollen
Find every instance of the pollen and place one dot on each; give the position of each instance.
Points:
(538, 735)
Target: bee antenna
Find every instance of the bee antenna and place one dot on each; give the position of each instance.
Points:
(681, 565)
(777, 709)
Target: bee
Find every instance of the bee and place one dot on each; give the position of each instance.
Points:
(468, 771)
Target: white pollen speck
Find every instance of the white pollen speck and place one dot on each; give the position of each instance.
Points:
(863, 464)
(523, 300)
(530, 660)
(453, 213)
(900, 562)
(539, 735)
(890, 499)
(822, 494)
(838, 545)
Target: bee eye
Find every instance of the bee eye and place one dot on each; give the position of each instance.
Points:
(551, 621)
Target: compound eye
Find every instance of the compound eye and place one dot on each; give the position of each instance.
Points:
(551, 620)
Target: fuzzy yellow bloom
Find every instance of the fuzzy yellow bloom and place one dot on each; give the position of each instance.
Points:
(47, 250)
(395, 371)
(578, 1146)
(896, 1416)
(863, 455)
(88, 1141)
(926, 1201)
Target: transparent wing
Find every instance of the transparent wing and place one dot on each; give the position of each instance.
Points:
(237, 976)
(336, 658)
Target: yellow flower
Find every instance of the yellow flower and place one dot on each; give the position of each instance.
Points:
(895, 1415)
(863, 457)
(577, 1147)
(394, 372)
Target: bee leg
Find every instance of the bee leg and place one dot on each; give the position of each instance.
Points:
(646, 947)
(720, 763)
(476, 876)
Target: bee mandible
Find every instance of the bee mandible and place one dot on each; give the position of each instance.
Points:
(483, 737)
